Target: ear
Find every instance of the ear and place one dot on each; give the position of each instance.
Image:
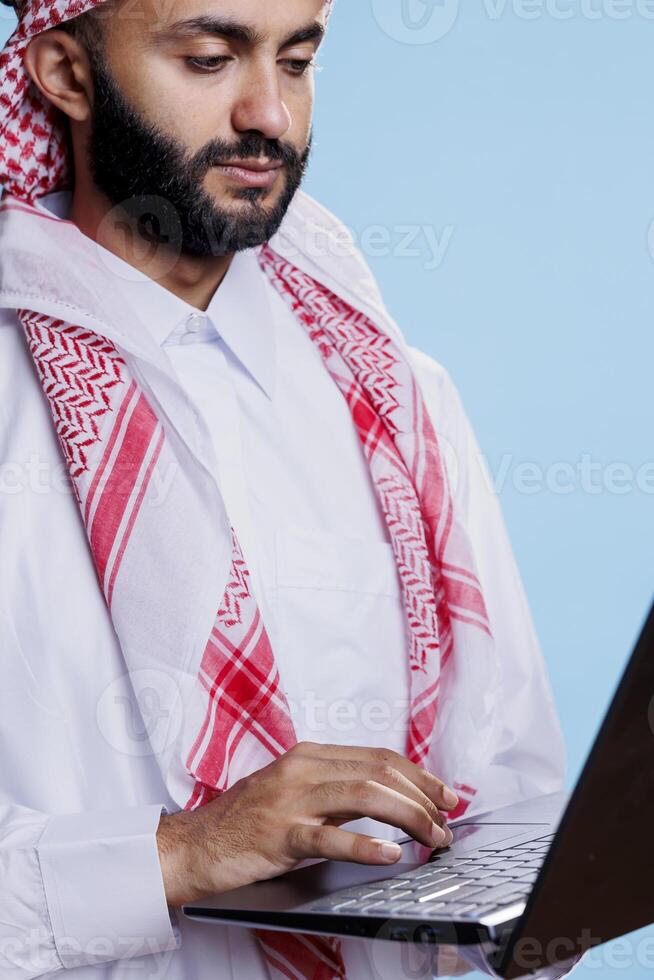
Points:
(59, 66)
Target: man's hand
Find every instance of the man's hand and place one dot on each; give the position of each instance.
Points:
(293, 810)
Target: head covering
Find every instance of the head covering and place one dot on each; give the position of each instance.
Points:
(33, 146)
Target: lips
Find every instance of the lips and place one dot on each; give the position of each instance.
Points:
(251, 173)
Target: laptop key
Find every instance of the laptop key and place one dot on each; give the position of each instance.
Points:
(528, 877)
(449, 869)
(416, 873)
(432, 883)
(494, 881)
(504, 875)
(509, 852)
(412, 909)
(492, 902)
(438, 892)
(404, 908)
(500, 893)
(372, 907)
(432, 869)
(478, 874)
(468, 890)
(506, 902)
(457, 910)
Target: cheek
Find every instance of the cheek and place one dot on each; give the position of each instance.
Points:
(300, 106)
(193, 116)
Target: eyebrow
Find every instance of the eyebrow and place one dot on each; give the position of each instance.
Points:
(234, 31)
(312, 32)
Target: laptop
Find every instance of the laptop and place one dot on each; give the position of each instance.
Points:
(538, 883)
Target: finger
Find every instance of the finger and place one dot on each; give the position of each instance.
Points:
(326, 770)
(340, 821)
(354, 799)
(439, 793)
(341, 845)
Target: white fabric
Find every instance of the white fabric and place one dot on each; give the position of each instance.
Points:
(72, 737)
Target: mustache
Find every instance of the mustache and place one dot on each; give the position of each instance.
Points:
(250, 145)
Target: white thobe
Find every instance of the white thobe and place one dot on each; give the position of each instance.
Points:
(80, 790)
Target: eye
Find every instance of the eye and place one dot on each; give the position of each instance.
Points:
(210, 63)
(298, 66)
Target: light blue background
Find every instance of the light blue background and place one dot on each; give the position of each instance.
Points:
(529, 145)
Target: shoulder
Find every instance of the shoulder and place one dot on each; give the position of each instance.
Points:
(438, 388)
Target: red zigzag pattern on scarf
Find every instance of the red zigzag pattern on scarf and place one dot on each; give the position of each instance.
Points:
(79, 372)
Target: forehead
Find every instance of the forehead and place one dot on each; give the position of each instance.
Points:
(265, 20)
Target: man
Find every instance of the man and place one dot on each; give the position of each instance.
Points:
(257, 601)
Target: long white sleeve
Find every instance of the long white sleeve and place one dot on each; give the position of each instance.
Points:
(528, 755)
(79, 889)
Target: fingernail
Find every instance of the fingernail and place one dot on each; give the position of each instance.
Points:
(437, 834)
(449, 797)
(389, 851)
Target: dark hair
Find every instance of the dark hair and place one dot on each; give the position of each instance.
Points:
(87, 28)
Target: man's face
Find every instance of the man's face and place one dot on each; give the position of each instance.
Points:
(207, 105)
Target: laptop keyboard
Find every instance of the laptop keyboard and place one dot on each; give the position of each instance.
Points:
(474, 884)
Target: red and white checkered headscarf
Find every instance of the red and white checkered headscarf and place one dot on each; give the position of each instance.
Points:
(114, 440)
(33, 151)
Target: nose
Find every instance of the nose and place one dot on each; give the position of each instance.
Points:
(260, 106)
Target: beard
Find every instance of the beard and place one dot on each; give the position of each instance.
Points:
(157, 183)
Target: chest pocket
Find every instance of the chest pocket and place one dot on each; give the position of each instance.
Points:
(307, 559)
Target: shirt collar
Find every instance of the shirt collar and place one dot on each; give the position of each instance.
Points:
(239, 313)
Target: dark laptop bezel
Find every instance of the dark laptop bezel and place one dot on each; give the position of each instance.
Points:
(596, 881)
